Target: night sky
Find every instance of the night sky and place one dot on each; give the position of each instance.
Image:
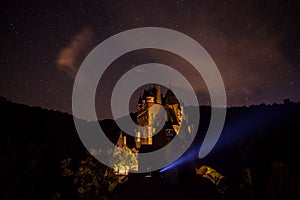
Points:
(255, 44)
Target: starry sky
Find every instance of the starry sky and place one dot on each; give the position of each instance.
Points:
(255, 44)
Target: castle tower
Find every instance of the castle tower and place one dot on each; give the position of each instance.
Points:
(158, 95)
(148, 118)
(140, 102)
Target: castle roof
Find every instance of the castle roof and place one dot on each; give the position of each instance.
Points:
(170, 98)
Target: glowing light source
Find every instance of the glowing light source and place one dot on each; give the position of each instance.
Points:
(191, 155)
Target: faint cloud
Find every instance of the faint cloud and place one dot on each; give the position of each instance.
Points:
(69, 57)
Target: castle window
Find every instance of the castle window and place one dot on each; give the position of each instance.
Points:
(138, 136)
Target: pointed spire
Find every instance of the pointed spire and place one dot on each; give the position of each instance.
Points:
(140, 100)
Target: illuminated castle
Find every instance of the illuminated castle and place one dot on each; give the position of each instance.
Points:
(148, 115)
(155, 112)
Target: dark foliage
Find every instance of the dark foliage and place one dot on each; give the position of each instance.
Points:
(261, 138)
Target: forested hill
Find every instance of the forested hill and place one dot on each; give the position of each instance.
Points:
(34, 141)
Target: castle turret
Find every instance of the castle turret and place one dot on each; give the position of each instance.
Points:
(140, 102)
(158, 99)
